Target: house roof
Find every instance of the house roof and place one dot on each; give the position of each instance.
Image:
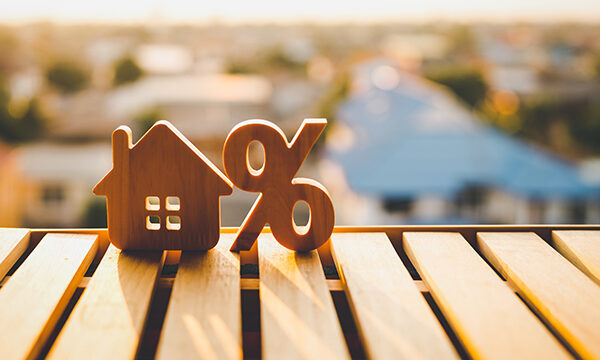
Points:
(188, 89)
(64, 162)
(165, 127)
(415, 138)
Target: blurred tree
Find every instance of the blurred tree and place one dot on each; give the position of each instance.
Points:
(467, 83)
(240, 67)
(597, 66)
(278, 59)
(33, 124)
(586, 129)
(329, 103)
(26, 125)
(569, 126)
(461, 40)
(272, 60)
(126, 70)
(94, 214)
(7, 122)
(144, 120)
(335, 94)
(67, 76)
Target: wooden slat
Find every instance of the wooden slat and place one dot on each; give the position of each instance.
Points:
(393, 318)
(13, 242)
(109, 317)
(563, 295)
(488, 318)
(203, 320)
(298, 318)
(33, 299)
(582, 248)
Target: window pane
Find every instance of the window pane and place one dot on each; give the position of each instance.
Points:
(173, 203)
(152, 222)
(173, 223)
(152, 203)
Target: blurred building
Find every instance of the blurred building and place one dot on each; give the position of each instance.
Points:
(512, 67)
(293, 101)
(200, 106)
(204, 107)
(164, 58)
(57, 182)
(404, 150)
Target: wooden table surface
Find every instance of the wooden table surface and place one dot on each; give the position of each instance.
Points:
(412, 292)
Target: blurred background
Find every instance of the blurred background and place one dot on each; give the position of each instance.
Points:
(481, 112)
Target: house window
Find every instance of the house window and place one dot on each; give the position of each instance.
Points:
(173, 223)
(153, 222)
(472, 197)
(53, 194)
(577, 212)
(172, 203)
(169, 213)
(152, 203)
(402, 205)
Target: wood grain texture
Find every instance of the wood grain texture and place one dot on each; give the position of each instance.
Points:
(13, 243)
(565, 297)
(203, 320)
(109, 317)
(280, 191)
(392, 316)
(163, 163)
(582, 248)
(32, 301)
(489, 319)
(298, 318)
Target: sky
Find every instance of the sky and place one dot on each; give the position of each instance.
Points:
(16, 11)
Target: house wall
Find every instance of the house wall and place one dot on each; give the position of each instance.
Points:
(429, 207)
(57, 181)
(499, 207)
(11, 192)
(556, 212)
(593, 212)
(504, 207)
(55, 203)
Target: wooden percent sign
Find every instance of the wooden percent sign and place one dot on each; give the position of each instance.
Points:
(280, 191)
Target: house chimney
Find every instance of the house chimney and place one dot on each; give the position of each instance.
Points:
(121, 144)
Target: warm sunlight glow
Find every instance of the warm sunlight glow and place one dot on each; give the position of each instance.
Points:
(307, 10)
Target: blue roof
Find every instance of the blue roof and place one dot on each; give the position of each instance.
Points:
(417, 139)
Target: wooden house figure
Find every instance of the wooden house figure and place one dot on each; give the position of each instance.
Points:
(163, 193)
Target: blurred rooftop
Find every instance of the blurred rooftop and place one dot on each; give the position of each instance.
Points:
(411, 137)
